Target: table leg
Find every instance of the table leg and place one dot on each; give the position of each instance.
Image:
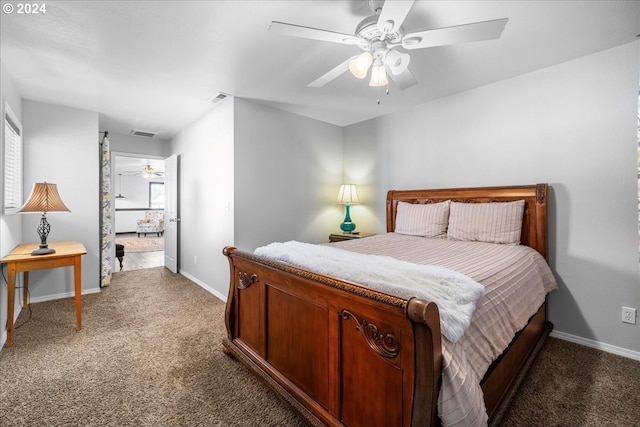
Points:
(77, 278)
(11, 298)
(25, 290)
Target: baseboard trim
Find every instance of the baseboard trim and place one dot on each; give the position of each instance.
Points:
(204, 286)
(33, 300)
(620, 351)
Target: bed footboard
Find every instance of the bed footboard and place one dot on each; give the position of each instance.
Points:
(338, 353)
(343, 354)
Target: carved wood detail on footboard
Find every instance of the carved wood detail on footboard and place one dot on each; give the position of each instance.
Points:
(339, 353)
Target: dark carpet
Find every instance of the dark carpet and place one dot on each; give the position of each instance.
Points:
(150, 354)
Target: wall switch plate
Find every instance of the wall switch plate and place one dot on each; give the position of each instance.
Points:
(629, 315)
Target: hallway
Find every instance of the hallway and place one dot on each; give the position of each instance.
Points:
(140, 260)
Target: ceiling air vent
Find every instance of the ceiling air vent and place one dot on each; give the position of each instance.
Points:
(219, 97)
(143, 133)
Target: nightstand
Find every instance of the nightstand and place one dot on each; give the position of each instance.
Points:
(339, 237)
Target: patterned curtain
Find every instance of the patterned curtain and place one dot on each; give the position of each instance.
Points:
(106, 221)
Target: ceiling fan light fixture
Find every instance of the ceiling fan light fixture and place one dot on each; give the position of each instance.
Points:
(382, 32)
(396, 61)
(148, 172)
(359, 66)
(378, 76)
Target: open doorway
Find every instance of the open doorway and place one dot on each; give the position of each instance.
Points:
(139, 222)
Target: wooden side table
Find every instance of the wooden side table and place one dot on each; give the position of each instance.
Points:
(20, 260)
(339, 237)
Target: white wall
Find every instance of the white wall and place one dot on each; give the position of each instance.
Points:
(138, 145)
(250, 175)
(62, 147)
(572, 125)
(288, 169)
(10, 225)
(206, 197)
(135, 189)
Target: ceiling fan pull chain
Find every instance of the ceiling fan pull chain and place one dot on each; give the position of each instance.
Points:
(378, 89)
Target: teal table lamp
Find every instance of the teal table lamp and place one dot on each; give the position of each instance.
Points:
(347, 196)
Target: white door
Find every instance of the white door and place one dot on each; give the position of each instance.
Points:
(171, 218)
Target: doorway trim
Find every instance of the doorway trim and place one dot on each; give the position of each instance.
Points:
(114, 157)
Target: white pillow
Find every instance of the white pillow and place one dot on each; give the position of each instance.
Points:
(428, 220)
(498, 222)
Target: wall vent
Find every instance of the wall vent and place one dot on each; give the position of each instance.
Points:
(218, 97)
(143, 133)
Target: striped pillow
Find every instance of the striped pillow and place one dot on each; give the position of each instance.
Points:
(428, 220)
(499, 222)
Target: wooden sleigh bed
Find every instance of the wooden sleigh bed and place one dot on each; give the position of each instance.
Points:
(343, 354)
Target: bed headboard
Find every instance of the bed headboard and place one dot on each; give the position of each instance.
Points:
(534, 222)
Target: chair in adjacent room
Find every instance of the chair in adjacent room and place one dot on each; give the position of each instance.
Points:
(153, 222)
(120, 253)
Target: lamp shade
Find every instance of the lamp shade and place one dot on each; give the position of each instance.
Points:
(347, 195)
(44, 198)
(359, 66)
(397, 62)
(378, 76)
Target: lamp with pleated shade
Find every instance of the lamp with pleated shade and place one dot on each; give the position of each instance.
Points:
(44, 198)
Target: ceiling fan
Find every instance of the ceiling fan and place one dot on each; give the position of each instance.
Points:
(146, 172)
(381, 38)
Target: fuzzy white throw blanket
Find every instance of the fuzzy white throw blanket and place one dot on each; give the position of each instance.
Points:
(454, 293)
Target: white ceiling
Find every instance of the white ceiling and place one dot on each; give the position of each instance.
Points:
(152, 65)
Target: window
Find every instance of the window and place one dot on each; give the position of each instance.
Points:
(156, 195)
(12, 190)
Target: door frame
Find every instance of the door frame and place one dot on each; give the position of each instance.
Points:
(114, 155)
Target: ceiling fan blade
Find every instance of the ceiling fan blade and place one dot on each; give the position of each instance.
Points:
(312, 33)
(393, 14)
(478, 31)
(403, 80)
(332, 74)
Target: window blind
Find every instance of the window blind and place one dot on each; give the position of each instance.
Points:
(12, 162)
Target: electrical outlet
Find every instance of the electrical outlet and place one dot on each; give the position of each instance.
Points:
(629, 315)
(195, 259)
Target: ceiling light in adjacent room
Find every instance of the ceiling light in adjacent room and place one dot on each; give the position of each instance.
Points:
(120, 196)
(148, 172)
